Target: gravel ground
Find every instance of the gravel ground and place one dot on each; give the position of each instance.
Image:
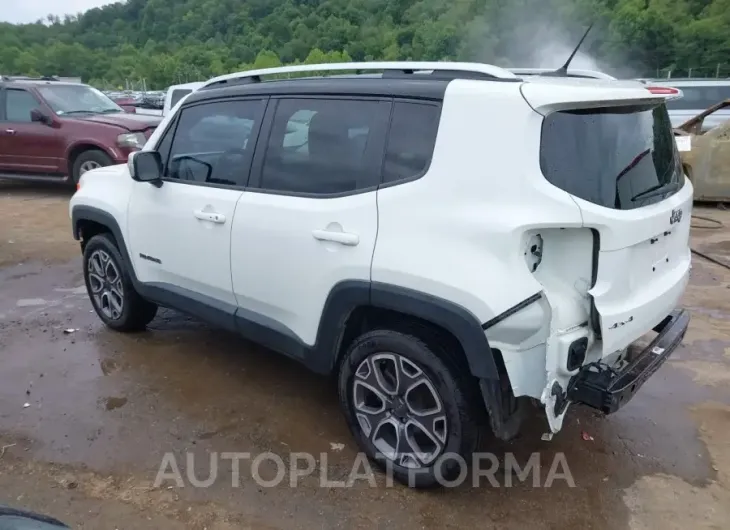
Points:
(103, 410)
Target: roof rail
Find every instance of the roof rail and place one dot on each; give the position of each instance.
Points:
(27, 78)
(405, 67)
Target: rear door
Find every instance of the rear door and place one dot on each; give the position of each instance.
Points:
(621, 165)
(308, 219)
(27, 147)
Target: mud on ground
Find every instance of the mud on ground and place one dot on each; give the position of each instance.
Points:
(103, 409)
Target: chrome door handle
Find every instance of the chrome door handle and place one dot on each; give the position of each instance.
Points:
(210, 216)
(343, 238)
(10, 131)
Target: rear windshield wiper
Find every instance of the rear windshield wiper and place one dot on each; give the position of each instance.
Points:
(659, 189)
(635, 162)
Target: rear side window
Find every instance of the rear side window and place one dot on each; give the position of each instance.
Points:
(699, 98)
(324, 146)
(18, 104)
(411, 140)
(620, 158)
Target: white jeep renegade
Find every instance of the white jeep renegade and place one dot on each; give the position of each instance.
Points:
(450, 241)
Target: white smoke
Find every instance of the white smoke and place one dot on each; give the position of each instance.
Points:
(540, 35)
(553, 54)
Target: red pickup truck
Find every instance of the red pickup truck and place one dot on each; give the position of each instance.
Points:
(50, 130)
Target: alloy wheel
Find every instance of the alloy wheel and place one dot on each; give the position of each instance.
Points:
(105, 284)
(88, 166)
(399, 410)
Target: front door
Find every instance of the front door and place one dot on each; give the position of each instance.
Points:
(27, 147)
(309, 219)
(180, 232)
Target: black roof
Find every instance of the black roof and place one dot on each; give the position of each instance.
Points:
(370, 86)
(430, 86)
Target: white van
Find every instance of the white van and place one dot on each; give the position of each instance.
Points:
(176, 92)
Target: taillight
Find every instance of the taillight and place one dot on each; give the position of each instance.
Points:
(669, 92)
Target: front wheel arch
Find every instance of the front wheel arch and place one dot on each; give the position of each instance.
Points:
(86, 221)
(75, 150)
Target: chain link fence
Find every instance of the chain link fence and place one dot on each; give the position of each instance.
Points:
(719, 71)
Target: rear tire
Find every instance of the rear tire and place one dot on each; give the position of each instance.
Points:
(110, 287)
(88, 160)
(421, 428)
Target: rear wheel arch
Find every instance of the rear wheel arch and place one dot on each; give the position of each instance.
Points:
(355, 307)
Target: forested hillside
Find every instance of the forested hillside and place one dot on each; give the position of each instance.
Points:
(166, 41)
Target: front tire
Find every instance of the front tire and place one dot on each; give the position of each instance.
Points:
(407, 409)
(88, 160)
(110, 287)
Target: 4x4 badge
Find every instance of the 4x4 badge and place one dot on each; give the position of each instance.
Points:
(676, 216)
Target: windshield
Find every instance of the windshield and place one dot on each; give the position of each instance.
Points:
(699, 98)
(76, 99)
(621, 158)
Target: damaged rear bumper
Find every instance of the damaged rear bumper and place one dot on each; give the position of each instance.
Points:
(601, 387)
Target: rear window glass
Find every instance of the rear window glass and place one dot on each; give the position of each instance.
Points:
(699, 97)
(620, 158)
(411, 140)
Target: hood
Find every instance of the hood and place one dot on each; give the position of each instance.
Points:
(130, 122)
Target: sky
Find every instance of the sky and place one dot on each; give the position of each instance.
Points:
(20, 11)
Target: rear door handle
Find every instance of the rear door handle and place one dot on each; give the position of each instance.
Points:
(343, 238)
(10, 131)
(213, 217)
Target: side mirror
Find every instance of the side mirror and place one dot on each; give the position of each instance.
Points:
(38, 117)
(146, 166)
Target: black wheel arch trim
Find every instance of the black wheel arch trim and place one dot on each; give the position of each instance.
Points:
(89, 213)
(342, 301)
(454, 318)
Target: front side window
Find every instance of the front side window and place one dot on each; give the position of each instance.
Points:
(213, 143)
(320, 146)
(77, 99)
(617, 157)
(18, 104)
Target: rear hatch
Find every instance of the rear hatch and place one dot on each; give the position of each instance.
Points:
(611, 146)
